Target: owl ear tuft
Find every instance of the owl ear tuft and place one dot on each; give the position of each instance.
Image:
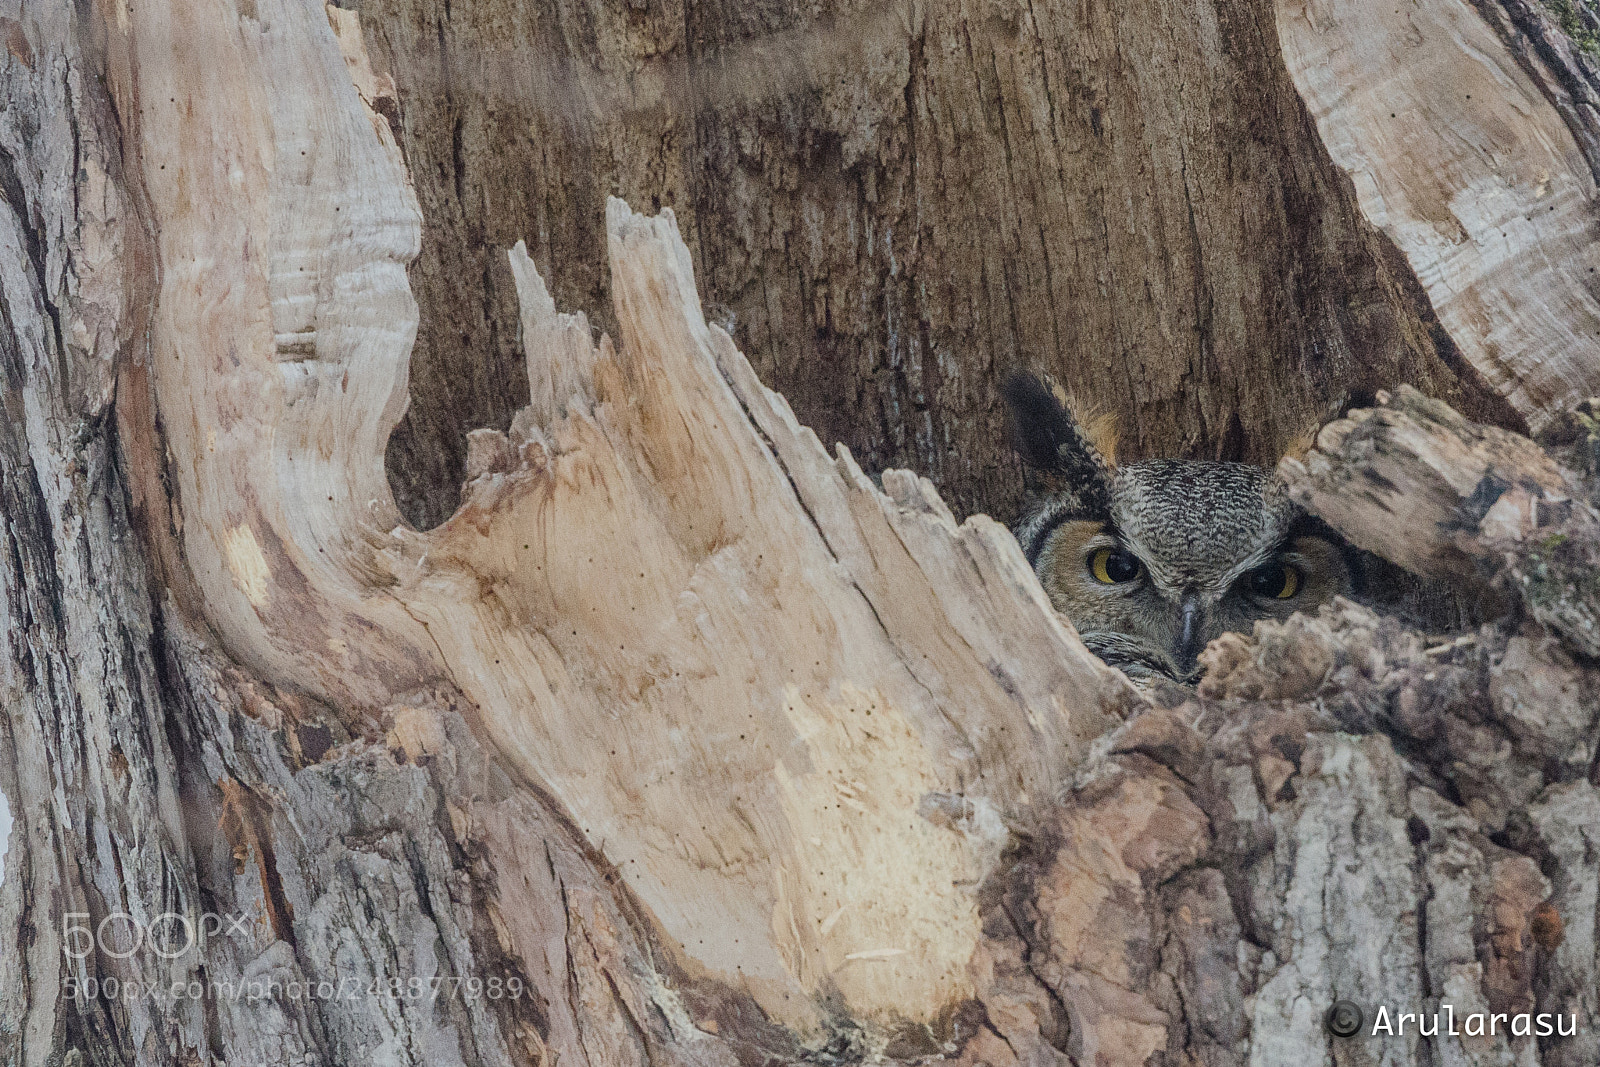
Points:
(1048, 435)
(1099, 428)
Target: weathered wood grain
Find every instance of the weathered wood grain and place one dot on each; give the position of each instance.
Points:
(1457, 154)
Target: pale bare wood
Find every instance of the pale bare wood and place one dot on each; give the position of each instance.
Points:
(1458, 156)
(278, 350)
(745, 670)
(1401, 480)
(1420, 486)
(739, 666)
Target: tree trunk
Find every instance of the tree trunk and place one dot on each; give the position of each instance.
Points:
(891, 205)
(635, 725)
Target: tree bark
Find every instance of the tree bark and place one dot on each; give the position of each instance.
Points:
(891, 206)
(676, 736)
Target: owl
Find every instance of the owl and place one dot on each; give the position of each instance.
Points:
(1152, 560)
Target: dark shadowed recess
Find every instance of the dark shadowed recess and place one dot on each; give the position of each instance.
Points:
(891, 206)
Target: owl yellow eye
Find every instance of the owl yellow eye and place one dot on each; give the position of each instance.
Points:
(1275, 581)
(1112, 566)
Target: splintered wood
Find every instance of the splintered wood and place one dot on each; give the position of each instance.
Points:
(740, 666)
(751, 678)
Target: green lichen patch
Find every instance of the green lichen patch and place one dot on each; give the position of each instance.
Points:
(1577, 19)
(1559, 576)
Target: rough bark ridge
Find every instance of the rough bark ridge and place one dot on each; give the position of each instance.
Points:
(1351, 810)
(85, 765)
(681, 741)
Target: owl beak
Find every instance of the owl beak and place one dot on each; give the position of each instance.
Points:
(1189, 640)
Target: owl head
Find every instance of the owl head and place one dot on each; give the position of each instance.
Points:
(1152, 560)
